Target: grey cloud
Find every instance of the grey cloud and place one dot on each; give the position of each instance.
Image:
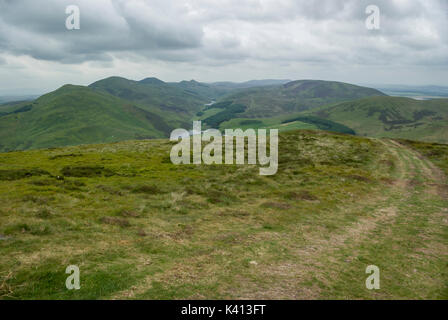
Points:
(229, 32)
(237, 29)
(28, 27)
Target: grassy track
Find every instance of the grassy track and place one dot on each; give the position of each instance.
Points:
(143, 228)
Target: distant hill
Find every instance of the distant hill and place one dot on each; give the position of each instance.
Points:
(153, 93)
(77, 115)
(206, 91)
(152, 80)
(394, 117)
(296, 96)
(116, 109)
(249, 84)
(108, 110)
(280, 100)
(416, 92)
(8, 99)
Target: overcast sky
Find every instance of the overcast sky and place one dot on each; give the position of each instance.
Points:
(215, 40)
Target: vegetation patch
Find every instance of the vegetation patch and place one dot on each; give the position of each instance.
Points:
(300, 195)
(128, 213)
(359, 178)
(146, 189)
(110, 189)
(73, 185)
(249, 122)
(16, 174)
(115, 221)
(323, 124)
(228, 113)
(276, 205)
(61, 156)
(436, 152)
(37, 229)
(44, 213)
(225, 231)
(86, 171)
(39, 200)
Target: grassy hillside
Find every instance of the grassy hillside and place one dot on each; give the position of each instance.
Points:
(229, 86)
(117, 109)
(153, 93)
(393, 117)
(436, 152)
(295, 96)
(77, 115)
(139, 227)
(13, 107)
(204, 90)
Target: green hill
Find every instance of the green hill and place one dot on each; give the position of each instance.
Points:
(116, 109)
(152, 93)
(77, 115)
(204, 90)
(278, 106)
(111, 109)
(295, 96)
(395, 117)
(227, 85)
(140, 227)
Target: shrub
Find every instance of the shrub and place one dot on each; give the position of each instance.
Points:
(86, 171)
(323, 124)
(16, 174)
(115, 221)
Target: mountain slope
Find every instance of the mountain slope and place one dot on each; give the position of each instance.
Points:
(78, 115)
(393, 117)
(295, 96)
(248, 84)
(206, 91)
(152, 94)
(141, 227)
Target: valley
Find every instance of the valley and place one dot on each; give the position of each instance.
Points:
(117, 109)
(87, 180)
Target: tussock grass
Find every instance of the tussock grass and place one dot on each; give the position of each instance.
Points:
(141, 227)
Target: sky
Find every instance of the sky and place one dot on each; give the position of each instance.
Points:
(221, 40)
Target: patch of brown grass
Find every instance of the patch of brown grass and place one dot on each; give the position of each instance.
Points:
(115, 221)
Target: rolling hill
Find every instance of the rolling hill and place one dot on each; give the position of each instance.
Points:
(77, 115)
(153, 93)
(270, 106)
(394, 117)
(116, 109)
(140, 227)
(111, 109)
(295, 96)
(229, 86)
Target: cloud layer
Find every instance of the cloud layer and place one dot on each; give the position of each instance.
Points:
(226, 39)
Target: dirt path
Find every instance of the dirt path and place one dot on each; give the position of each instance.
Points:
(401, 228)
(329, 261)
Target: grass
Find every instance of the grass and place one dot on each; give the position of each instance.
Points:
(296, 96)
(393, 117)
(436, 152)
(113, 109)
(118, 109)
(153, 230)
